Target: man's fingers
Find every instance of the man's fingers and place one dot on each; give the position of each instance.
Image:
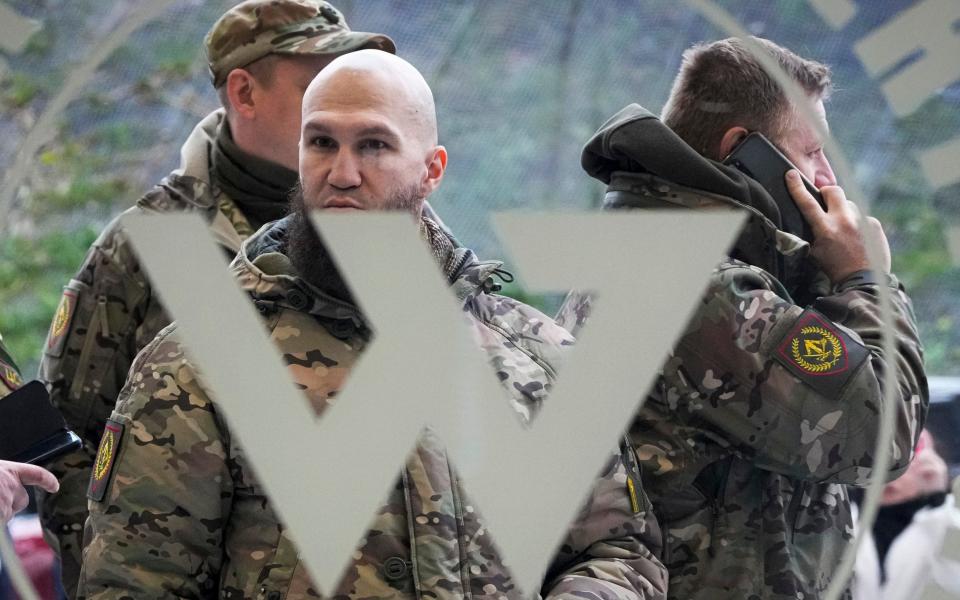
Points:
(20, 500)
(876, 233)
(808, 205)
(38, 476)
(837, 204)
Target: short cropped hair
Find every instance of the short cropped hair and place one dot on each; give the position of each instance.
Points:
(261, 69)
(722, 85)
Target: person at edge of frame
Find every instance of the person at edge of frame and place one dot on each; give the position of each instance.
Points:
(770, 403)
(236, 170)
(903, 554)
(16, 477)
(205, 527)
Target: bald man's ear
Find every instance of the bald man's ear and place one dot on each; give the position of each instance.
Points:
(436, 166)
(239, 87)
(730, 139)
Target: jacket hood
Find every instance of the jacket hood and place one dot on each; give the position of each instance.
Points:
(188, 188)
(267, 274)
(647, 165)
(195, 152)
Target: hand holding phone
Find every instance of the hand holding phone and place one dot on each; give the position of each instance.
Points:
(760, 160)
(840, 247)
(31, 429)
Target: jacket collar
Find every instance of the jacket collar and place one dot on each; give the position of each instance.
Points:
(188, 188)
(646, 165)
(265, 272)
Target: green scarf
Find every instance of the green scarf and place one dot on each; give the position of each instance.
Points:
(259, 187)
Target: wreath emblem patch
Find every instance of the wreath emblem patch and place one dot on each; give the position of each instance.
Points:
(60, 326)
(105, 455)
(9, 376)
(820, 354)
(103, 463)
(816, 349)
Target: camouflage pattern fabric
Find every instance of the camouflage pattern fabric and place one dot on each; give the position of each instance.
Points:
(109, 312)
(10, 378)
(763, 413)
(183, 514)
(255, 28)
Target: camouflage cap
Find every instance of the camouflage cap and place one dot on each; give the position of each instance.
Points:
(255, 28)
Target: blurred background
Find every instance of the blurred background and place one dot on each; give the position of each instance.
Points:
(520, 86)
(96, 97)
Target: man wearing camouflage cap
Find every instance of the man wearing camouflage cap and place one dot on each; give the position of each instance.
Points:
(204, 526)
(771, 402)
(236, 169)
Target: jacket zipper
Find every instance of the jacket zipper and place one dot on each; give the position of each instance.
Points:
(455, 272)
(461, 529)
(793, 511)
(715, 504)
(414, 564)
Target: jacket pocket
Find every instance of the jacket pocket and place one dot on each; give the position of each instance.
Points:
(80, 363)
(91, 362)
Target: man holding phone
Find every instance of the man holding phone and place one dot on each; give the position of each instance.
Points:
(15, 476)
(770, 403)
(762, 107)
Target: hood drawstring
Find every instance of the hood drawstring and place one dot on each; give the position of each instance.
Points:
(490, 285)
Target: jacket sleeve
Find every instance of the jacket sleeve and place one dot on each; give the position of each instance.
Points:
(574, 311)
(611, 551)
(797, 391)
(105, 316)
(161, 494)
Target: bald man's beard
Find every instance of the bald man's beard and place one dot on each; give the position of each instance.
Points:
(309, 254)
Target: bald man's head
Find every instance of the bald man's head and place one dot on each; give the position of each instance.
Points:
(369, 135)
(370, 78)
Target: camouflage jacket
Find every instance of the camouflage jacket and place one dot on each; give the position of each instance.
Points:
(203, 527)
(9, 374)
(107, 314)
(766, 408)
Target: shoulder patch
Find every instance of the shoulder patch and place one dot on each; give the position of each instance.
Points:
(9, 375)
(57, 337)
(103, 463)
(820, 354)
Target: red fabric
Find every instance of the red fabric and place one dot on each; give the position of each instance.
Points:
(38, 561)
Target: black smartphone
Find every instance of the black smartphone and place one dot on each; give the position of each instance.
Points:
(31, 429)
(44, 451)
(760, 160)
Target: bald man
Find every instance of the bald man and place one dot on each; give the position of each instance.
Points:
(177, 510)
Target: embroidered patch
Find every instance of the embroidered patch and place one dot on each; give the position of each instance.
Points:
(820, 353)
(103, 463)
(9, 376)
(57, 337)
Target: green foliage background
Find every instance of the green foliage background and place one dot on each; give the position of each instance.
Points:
(520, 85)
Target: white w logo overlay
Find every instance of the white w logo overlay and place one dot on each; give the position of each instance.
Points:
(424, 369)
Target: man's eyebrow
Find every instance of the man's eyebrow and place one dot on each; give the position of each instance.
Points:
(313, 127)
(378, 130)
(370, 131)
